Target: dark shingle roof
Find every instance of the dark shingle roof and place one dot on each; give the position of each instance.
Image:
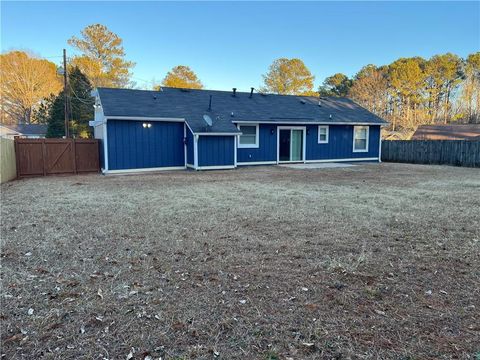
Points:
(448, 132)
(193, 104)
(27, 129)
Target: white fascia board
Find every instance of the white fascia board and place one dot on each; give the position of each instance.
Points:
(144, 118)
(186, 122)
(293, 123)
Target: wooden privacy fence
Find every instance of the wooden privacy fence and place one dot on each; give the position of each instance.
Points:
(448, 152)
(41, 157)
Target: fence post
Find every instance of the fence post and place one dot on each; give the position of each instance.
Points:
(17, 160)
(74, 152)
(44, 157)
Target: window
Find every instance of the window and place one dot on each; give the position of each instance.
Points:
(360, 138)
(249, 137)
(323, 134)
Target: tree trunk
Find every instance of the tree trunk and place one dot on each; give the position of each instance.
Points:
(447, 97)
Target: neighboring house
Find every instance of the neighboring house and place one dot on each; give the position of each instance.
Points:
(204, 129)
(448, 132)
(396, 135)
(32, 131)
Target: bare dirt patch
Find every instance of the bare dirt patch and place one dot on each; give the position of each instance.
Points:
(373, 261)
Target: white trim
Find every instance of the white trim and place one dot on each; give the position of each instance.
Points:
(215, 167)
(327, 133)
(257, 137)
(256, 163)
(218, 134)
(105, 146)
(190, 166)
(185, 142)
(380, 148)
(342, 160)
(366, 144)
(304, 128)
(140, 170)
(145, 118)
(195, 152)
(186, 123)
(235, 150)
(246, 122)
(95, 123)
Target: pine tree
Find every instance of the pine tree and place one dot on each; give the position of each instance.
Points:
(81, 108)
(103, 57)
(182, 77)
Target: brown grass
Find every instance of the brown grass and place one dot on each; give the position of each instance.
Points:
(369, 262)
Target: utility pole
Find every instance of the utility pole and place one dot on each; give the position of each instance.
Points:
(65, 92)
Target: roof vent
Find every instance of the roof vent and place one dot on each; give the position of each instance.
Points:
(154, 97)
(319, 102)
(330, 116)
(184, 90)
(232, 115)
(251, 92)
(210, 104)
(303, 101)
(234, 91)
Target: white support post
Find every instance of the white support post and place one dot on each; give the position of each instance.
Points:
(195, 152)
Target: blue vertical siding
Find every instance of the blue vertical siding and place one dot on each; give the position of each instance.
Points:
(216, 150)
(190, 145)
(131, 146)
(267, 150)
(339, 146)
(340, 143)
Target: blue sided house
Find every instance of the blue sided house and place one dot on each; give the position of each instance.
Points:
(173, 128)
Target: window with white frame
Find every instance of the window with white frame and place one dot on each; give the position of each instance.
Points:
(249, 137)
(323, 134)
(360, 138)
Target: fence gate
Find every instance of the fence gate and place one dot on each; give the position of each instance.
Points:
(41, 157)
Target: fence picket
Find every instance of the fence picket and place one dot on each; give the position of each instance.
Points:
(40, 157)
(448, 152)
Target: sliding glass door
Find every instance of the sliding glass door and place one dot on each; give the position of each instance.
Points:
(296, 145)
(290, 146)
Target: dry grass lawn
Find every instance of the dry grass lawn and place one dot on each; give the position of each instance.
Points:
(368, 262)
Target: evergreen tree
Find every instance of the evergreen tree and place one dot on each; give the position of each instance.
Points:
(81, 108)
(103, 57)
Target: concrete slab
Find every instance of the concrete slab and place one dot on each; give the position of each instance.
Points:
(318, 165)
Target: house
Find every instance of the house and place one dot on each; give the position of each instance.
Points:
(32, 131)
(205, 129)
(447, 132)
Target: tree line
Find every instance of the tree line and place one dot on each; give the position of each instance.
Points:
(414, 91)
(407, 93)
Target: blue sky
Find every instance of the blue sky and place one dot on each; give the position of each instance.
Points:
(231, 44)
